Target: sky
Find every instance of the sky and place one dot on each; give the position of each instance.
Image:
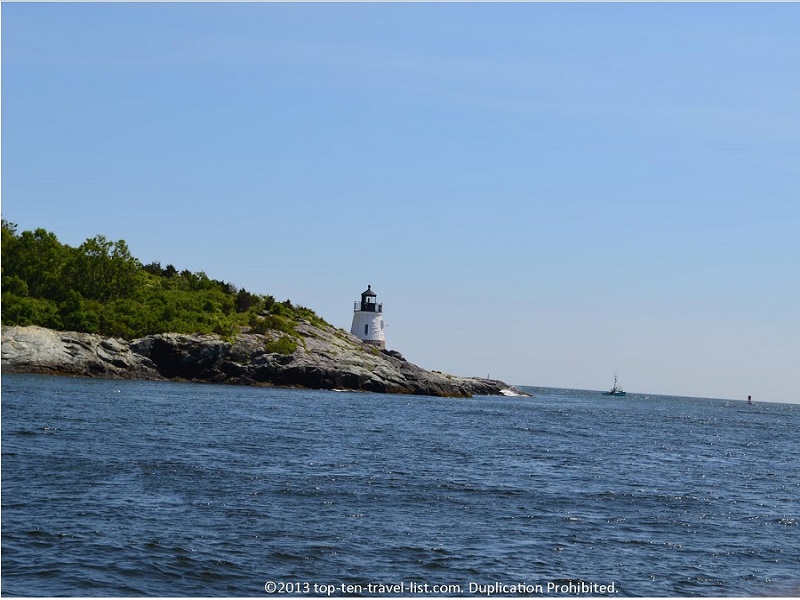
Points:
(548, 194)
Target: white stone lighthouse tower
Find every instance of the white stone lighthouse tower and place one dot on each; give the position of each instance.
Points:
(368, 319)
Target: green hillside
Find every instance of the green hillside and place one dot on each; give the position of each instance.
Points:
(99, 287)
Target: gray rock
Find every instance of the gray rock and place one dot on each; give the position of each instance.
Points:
(325, 358)
(39, 350)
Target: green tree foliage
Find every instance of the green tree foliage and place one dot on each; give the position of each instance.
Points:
(103, 270)
(38, 259)
(100, 287)
(77, 314)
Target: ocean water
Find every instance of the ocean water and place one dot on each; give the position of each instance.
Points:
(120, 488)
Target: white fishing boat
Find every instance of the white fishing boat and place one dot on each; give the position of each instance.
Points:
(616, 390)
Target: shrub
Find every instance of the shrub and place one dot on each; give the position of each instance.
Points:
(272, 323)
(283, 345)
(100, 287)
(23, 311)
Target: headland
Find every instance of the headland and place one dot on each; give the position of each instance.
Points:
(324, 358)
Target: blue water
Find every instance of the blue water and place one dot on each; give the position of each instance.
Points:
(145, 488)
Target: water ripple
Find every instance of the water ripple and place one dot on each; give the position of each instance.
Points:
(182, 489)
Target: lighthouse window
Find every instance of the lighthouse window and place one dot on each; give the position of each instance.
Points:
(366, 329)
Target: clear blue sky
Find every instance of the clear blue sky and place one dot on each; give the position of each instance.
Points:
(547, 193)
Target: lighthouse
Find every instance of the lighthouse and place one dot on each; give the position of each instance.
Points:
(368, 319)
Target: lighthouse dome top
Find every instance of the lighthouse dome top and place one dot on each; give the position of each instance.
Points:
(368, 292)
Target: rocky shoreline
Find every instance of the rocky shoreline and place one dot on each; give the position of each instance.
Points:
(325, 358)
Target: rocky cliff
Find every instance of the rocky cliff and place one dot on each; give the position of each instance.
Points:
(325, 358)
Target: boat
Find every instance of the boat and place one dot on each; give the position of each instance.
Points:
(616, 390)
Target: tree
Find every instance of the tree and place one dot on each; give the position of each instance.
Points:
(103, 270)
(100, 287)
(75, 316)
(154, 268)
(38, 259)
(245, 300)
